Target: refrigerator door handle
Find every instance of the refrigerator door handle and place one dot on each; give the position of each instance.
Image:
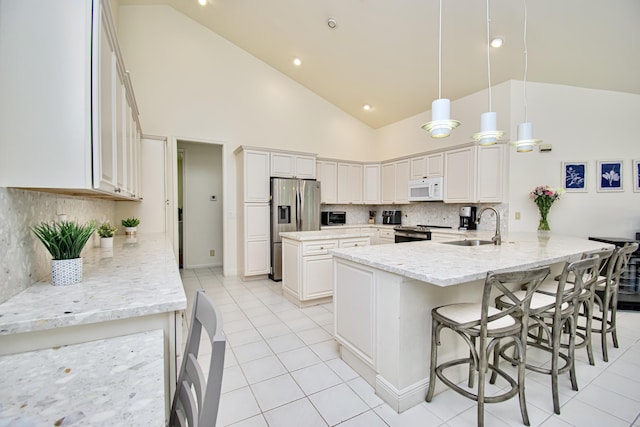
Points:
(298, 210)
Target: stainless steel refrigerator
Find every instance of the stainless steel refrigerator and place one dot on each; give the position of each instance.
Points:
(295, 206)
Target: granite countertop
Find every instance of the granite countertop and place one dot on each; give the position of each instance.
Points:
(138, 277)
(122, 385)
(326, 234)
(444, 265)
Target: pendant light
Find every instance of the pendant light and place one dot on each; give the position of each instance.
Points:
(440, 125)
(525, 141)
(488, 134)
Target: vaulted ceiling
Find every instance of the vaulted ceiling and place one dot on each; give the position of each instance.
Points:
(385, 53)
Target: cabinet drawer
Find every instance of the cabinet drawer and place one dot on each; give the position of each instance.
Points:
(356, 241)
(318, 248)
(388, 234)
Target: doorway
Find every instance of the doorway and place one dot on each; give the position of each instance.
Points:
(200, 204)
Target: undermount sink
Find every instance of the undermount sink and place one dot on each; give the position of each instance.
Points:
(472, 242)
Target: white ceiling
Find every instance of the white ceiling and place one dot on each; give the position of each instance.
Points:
(385, 52)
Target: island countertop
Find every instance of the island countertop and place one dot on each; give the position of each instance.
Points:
(444, 265)
(137, 278)
(327, 234)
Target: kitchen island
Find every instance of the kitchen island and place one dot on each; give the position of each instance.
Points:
(383, 296)
(133, 288)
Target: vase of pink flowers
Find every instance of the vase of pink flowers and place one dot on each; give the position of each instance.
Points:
(544, 196)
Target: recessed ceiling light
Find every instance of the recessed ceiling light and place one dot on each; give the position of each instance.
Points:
(202, 2)
(297, 62)
(497, 42)
(367, 107)
(332, 23)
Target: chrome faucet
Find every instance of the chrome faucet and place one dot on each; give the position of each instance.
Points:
(497, 239)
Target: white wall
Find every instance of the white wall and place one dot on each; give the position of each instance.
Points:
(202, 218)
(582, 125)
(190, 82)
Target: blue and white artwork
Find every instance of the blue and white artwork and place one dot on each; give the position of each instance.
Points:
(575, 176)
(610, 175)
(636, 176)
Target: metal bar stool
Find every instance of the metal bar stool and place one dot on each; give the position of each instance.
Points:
(482, 328)
(549, 316)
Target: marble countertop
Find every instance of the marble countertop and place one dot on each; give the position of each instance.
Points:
(327, 234)
(123, 384)
(444, 265)
(138, 277)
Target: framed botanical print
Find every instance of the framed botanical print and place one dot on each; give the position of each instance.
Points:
(636, 176)
(574, 176)
(610, 175)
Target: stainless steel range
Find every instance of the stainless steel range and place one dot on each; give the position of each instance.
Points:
(414, 233)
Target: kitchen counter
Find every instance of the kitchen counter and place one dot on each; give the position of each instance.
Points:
(134, 287)
(383, 297)
(114, 381)
(327, 233)
(442, 264)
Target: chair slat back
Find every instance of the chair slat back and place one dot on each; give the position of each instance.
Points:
(200, 409)
(621, 260)
(579, 275)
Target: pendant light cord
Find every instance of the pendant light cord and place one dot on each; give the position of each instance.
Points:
(488, 55)
(440, 53)
(526, 60)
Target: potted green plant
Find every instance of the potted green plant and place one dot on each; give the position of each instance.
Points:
(130, 226)
(64, 240)
(106, 232)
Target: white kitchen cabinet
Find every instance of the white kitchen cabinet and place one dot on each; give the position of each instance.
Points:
(491, 165)
(427, 166)
(66, 101)
(307, 267)
(349, 183)
(371, 184)
(286, 165)
(256, 239)
(386, 236)
(327, 174)
(460, 175)
(253, 175)
(395, 182)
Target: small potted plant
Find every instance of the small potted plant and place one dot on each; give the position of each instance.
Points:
(130, 226)
(106, 232)
(65, 240)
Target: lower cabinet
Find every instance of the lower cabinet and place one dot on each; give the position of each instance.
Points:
(307, 268)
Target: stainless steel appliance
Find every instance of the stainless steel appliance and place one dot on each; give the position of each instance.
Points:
(333, 218)
(392, 217)
(629, 287)
(295, 206)
(414, 233)
(426, 189)
(467, 218)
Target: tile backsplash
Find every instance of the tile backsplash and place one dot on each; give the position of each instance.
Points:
(23, 259)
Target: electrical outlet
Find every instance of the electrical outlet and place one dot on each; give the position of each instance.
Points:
(212, 252)
(517, 215)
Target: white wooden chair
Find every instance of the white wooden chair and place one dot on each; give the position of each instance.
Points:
(197, 398)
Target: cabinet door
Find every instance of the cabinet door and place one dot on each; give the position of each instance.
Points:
(388, 178)
(304, 167)
(402, 181)
(327, 174)
(434, 165)
(107, 117)
(355, 183)
(120, 135)
(317, 276)
(282, 165)
(256, 225)
(343, 190)
(256, 176)
(418, 167)
(372, 184)
(491, 173)
(460, 173)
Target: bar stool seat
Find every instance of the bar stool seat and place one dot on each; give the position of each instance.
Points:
(483, 328)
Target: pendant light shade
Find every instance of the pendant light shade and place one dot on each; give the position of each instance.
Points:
(488, 134)
(441, 124)
(525, 141)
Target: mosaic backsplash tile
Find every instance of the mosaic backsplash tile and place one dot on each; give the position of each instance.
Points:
(23, 259)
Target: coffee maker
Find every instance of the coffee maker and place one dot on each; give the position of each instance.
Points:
(467, 218)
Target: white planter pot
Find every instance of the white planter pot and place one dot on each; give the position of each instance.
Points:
(130, 231)
(66, 271)
(106, 242)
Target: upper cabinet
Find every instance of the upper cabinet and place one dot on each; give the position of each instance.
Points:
(371, 184)
(253, 175)
(491, 173)
(395, 182)
(67, 111)
(327, 174)
(474, 174)
(427, 166)
(285, 165)
(350, 185)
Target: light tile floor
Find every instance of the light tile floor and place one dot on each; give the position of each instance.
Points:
(282, 368)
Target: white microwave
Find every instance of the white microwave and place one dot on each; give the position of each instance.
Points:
(426, 190)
